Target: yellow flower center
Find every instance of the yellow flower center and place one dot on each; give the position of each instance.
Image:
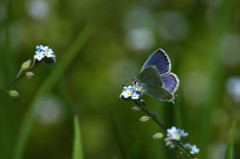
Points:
(128, 93)
(176, 135)
(47, 54)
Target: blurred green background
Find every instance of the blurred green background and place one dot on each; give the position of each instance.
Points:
(93, 41)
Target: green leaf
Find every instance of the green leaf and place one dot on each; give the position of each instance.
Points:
(230, 148)
(77, 143)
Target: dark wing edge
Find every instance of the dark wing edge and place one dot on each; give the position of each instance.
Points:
(159, 59)
(170, 82)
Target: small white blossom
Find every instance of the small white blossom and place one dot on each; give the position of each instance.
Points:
(176, 134)
(127, 93)
(39, 56)
(183, 134)
(194, 150)
(135, 95)
(49, 53)
(172, 130)
(39, 47)
(44, 48)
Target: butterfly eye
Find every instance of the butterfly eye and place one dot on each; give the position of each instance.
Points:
(134, 82)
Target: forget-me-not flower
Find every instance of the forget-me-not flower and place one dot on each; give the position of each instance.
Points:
(194, 150)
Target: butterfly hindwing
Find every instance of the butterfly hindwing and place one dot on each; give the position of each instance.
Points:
(159, 59)
(170, 82)
(158, 92)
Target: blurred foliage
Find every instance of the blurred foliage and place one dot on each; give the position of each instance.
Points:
(201, 38)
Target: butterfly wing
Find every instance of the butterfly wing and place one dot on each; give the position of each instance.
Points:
(158, 92)
(150, 75)
(159, 59)
(170, 82)
(151, 84)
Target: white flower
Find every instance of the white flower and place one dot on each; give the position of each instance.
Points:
(183, 134)
(176, 136)
(194, 150)
(174, 133)
(44, 48)
(172, 130)
(127, 93)
(135, 95)
(39, 56)
(49, 53)
(130, 87)
(39, 48)
(38, 52)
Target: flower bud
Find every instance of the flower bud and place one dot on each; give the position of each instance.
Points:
(158, 135)
(144, 119)
(136, 108)
(13, 93)
(26, 65)
(30, 75)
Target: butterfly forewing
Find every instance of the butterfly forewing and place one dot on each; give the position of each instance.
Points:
(159, 59)
(150, 76)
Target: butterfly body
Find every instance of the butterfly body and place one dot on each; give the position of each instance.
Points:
(155, 78)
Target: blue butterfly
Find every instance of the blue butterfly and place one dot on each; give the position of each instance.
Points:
(155, 78)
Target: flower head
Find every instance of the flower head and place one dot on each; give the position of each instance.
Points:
(194, 150)
(176, 134)
(49, 53)
(183, 133)
(135, 95)
(46, 54)
(39, 48)
(127, 93)
(130, 91)
(39, 56)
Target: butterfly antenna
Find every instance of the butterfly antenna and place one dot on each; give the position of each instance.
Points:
(125, 68)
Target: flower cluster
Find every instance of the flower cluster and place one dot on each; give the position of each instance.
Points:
(131, 91)
(175, 136)
(46, 54)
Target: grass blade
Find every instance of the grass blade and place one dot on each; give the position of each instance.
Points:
(230, 148)
(77, 143)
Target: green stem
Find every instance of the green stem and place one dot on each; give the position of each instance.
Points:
(34, 65)
(152, 116)
(157, 120)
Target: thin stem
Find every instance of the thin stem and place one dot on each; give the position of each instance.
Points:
(152, 116)
(156, 119)
(34, 65)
